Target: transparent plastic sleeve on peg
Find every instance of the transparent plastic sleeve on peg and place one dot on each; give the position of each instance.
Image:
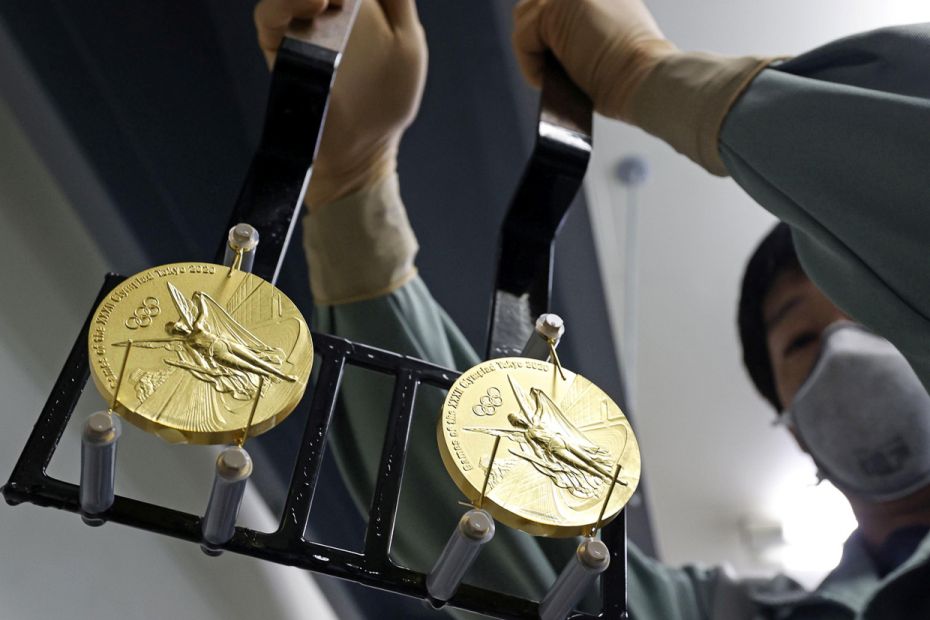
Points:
(549, 327)
(98, 465)
(233, 468)
(242, 241)
(474, 530)
(590, 560)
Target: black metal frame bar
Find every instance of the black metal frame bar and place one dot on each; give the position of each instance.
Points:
(287, 545)
(273, 192)
(548, 187)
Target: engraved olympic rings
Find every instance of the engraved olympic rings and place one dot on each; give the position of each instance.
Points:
(143, 315)
(488, 404)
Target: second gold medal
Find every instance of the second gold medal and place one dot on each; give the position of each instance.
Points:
(562, 441)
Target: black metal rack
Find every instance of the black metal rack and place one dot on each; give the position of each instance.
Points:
(287, 545)
(270, 200)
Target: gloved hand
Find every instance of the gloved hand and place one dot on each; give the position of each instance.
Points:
(606, 46)
(375, 97)
(616, 53)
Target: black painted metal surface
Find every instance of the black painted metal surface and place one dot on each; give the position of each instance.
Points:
(552, 178)
(374, 567)
(273, 193)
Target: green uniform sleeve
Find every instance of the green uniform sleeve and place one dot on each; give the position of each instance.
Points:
(836, 144)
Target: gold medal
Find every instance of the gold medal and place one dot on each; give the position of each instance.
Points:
(561, 439)
(200, 353)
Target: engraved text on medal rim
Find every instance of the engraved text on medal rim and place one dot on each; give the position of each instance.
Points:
(106, 309)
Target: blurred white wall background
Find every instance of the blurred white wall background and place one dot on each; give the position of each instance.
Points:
(711, 459)
(51, 565)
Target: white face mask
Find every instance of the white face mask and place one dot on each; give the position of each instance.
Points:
(864, 416)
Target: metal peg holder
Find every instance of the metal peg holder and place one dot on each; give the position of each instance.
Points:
(474, 530)
(549, 329)
(233, 468)
(98, 465)
(590, 560)
(240, 247)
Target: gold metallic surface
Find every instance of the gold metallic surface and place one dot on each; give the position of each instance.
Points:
(203, 345)
(561, 442)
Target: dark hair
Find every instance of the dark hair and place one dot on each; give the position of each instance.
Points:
(774, 256)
